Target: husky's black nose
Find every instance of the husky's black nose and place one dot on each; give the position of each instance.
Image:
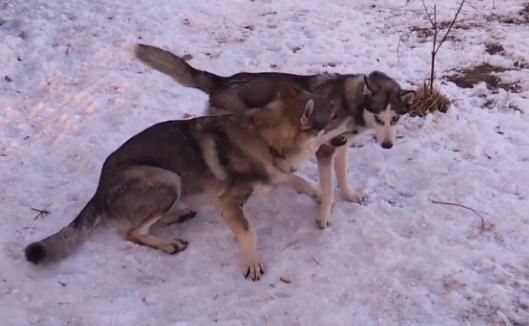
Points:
(387, 145)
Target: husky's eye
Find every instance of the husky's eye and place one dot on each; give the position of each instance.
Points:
(395, 118)
(378, 121)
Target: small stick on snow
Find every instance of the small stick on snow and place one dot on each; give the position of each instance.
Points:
(465, 207)
(454, 273)
(311, 256)
(42, 212)
(290, 244)
(144, 300)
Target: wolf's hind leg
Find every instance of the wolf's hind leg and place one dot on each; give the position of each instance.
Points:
(141, 198)
(140, 235)
(175, 216)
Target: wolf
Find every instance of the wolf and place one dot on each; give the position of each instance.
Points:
(220, 160)
(373, 102)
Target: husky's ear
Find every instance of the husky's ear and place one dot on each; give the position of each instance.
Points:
(407, 96)
(368, 88)
(309, 108)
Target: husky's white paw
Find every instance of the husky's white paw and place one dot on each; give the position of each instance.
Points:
(353, 196)
(323, 221)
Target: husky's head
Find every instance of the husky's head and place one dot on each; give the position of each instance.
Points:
(384, 103)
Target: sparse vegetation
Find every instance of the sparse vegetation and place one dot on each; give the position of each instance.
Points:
(429, 98)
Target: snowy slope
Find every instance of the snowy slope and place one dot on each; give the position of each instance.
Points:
(72, 95)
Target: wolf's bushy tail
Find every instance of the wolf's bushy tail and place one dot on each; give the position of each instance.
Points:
(174, 66)
(63, 243)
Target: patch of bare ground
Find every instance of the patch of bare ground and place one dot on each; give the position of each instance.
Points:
(494, 48)
(425, 33)
(487, 73)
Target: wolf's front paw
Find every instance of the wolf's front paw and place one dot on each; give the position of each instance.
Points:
(253, 270)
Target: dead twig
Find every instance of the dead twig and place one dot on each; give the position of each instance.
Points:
(452, 274)
(311, 256)
(482, 228)
(290, 244)
(42, 212)
(144, 300)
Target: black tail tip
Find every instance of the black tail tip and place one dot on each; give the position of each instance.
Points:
(35, 253)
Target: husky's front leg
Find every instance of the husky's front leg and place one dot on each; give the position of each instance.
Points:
(302, 186)
(231, 209)
(325, 157)
(340, 170)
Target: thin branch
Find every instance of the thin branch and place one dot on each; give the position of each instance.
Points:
(451, 24)
(313, 259)
(454, 273)
(482, 228)
(434, 53)
(42, 212)
(436, 45)
(428, 13)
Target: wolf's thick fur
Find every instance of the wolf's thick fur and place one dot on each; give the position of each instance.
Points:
(374, 101)
(220, 160)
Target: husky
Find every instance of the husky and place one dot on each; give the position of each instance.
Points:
(217, 160)
(373, 102)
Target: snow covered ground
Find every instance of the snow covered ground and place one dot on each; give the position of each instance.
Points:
(69, 95)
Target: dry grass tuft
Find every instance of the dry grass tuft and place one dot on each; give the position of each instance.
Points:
(429, 99)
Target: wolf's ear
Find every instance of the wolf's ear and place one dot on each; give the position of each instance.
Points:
(309, 108)
(287, 91)
(260, 117)
(368, 88)
(407, 96)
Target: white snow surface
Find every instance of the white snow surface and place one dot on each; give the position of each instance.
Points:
(73, 94)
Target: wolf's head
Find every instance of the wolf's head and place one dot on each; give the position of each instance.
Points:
(315, 114)
(385, 102)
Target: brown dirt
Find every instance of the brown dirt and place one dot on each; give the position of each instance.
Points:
(467, 78)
